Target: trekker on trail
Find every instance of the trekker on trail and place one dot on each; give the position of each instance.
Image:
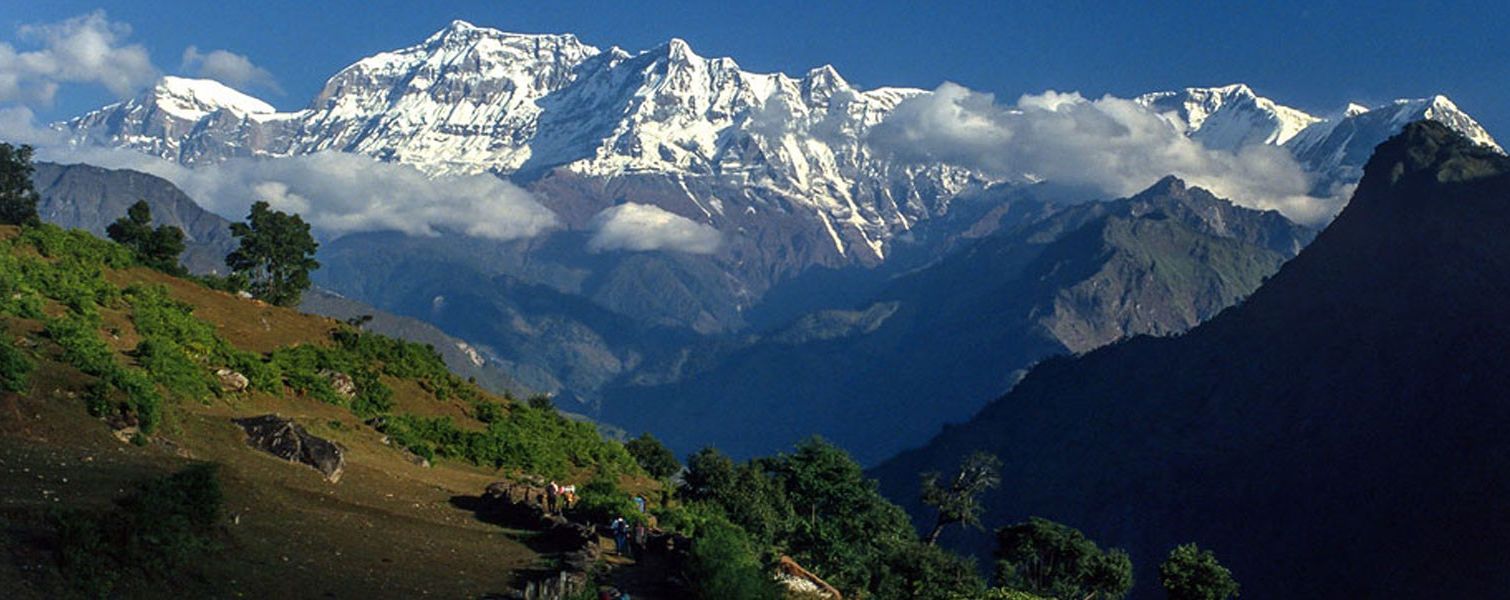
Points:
(639, 501)
(641, 539)
(552, 493)
(620, 529)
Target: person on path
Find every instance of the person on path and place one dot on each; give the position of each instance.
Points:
(641, 539)
(620, 529)
(639, 501)
(552, 493)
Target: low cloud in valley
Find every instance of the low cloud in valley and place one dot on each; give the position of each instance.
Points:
(643, 227)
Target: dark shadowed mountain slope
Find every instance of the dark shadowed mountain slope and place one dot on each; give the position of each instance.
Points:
(91, 198)
(931, 347)
(1339, 434)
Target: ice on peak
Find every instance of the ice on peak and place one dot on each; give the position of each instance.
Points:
(1354, 109)
(826, 75)
(679, 49)
(194, 98)
(1231, 89)
(1442, 102)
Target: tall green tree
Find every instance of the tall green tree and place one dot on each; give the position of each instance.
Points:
(657, 460)
(276, 254)
(710, 473)
(958, 499)
(1045, 558)
(156, 248)
(1191, 573)
(18, 199)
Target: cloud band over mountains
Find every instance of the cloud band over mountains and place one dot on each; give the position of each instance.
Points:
(1111, 144)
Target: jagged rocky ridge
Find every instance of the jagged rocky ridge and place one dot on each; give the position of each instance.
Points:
(1338, 434)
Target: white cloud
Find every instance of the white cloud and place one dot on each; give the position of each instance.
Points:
(644, 227)
(1111, 144)
(337, 193)
(84, 49)
(229, 68)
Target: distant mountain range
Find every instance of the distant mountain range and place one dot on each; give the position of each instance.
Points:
(1340, 433)
(768, 155)
(818, 231)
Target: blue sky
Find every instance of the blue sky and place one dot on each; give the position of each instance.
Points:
(1313, 55)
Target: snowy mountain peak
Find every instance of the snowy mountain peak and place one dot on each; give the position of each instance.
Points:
(1441, 109)
(825, 76)
(1354, 109)
(1228, 117)
(679, 49)
(194, 99)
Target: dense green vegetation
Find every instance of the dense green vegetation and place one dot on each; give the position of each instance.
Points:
(723, 565)
(516, 437)
(153, 535)
(1050, 559)
(816, 506)
(1191, 573)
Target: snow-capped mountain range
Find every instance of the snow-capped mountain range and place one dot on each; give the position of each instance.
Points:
(718, 144)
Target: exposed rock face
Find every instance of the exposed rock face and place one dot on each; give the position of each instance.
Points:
(285, 439)
(232, 381)
(341, 383)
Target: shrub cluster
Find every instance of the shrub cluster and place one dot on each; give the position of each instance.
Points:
(138, 398)
(519, 437)
(15, 367)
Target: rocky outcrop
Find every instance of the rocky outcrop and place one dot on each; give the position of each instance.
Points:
(232, 381)
(342, 383)
(287, 440)
(522, 504)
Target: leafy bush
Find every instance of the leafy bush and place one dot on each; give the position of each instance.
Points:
(154, 535)
(688, 519)
(1050, 559)
(723, 565)
(170, 366)
(601, 500)
(1191, 573)
(15, 367)
(18, 293)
